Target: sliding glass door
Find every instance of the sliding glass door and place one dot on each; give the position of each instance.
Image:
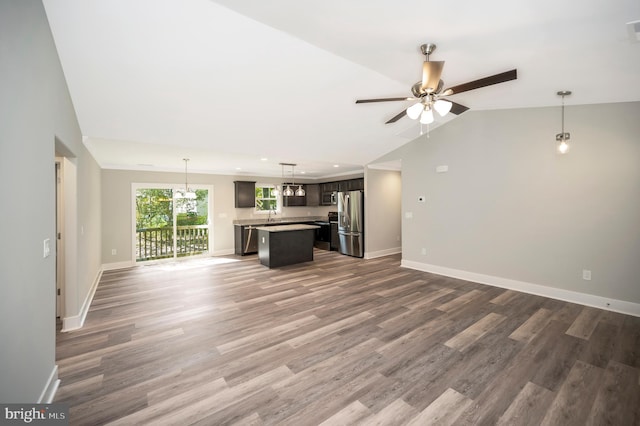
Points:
(169, 223)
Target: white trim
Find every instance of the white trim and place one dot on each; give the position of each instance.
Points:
(118, 265)
(129, 264)
(173, 186)
(381, 253)
(225, 252)
(50, 388)
(600, 302)
(77, 321)
(393, 165)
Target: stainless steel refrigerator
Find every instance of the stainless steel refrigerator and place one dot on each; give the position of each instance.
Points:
(351, 223)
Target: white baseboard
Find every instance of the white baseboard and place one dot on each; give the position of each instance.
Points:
(225, 252)
(50, 388)
(118, 265)
(609, 304)
(130, 263)
(77, 321)
(381, 253)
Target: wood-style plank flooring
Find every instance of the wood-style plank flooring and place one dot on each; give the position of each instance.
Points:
(341, 341)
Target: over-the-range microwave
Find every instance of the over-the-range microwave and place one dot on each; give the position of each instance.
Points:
(329, 197)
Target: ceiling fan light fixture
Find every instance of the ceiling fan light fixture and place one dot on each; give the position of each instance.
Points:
(415, 110)
(427, 116)
(430, 89)
(442, 107)
(431, 72)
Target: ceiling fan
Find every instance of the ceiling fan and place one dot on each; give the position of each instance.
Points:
(430, 91)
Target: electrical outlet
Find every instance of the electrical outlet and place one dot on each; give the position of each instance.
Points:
(586, 275)
(423, 251)
(114, 252)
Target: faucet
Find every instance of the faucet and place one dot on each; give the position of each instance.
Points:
(274, 213)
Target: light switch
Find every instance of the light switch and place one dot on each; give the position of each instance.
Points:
(408, 215)
(46, 249)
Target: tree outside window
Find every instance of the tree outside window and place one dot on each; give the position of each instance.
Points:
(266, 199)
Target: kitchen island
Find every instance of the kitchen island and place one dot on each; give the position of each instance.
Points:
(282, 245)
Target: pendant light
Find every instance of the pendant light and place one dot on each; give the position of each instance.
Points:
(300, 191)
(187, 193)
(288, 192)
(186, 201)
(276, 191)
(562, 138)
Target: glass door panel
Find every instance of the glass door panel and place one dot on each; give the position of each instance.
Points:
(154, 224)
(192, 223)
(171, 223)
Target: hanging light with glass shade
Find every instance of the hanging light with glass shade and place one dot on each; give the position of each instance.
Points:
(187, 198)
(300, 192)
(288, 191)
(563, 137)
(276, 191)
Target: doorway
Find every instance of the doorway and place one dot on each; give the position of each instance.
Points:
(170, 224)
(59, 234)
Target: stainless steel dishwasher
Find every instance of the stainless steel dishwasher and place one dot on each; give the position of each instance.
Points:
(250, 239)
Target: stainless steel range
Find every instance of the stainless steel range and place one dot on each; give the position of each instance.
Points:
(327, 234)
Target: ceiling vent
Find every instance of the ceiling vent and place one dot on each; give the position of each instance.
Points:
(633, 28)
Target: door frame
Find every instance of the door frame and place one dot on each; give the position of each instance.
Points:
(60, 234)
(173, 186)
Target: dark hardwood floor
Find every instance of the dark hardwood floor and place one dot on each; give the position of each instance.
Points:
(341, 341)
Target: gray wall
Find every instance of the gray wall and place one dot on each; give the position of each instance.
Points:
(117, 213)
(511, 207)
(383, 208)
(35, 109)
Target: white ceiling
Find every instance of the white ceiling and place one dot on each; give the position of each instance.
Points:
(238, 86)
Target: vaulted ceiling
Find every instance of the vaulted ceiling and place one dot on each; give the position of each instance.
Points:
(238, 86)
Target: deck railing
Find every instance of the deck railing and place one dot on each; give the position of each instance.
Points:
(157, 243)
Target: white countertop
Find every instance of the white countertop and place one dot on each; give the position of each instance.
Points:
(284, 228)
(277, 220)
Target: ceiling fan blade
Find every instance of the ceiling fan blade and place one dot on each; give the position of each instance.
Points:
(397, 117)
(431, 72)
(367, 101)
(483, 82)
(457, 108)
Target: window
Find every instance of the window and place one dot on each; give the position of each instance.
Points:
(266, 199)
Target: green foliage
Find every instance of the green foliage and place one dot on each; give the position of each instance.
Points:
(265, 198)
(191, 218)
(154, 208)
